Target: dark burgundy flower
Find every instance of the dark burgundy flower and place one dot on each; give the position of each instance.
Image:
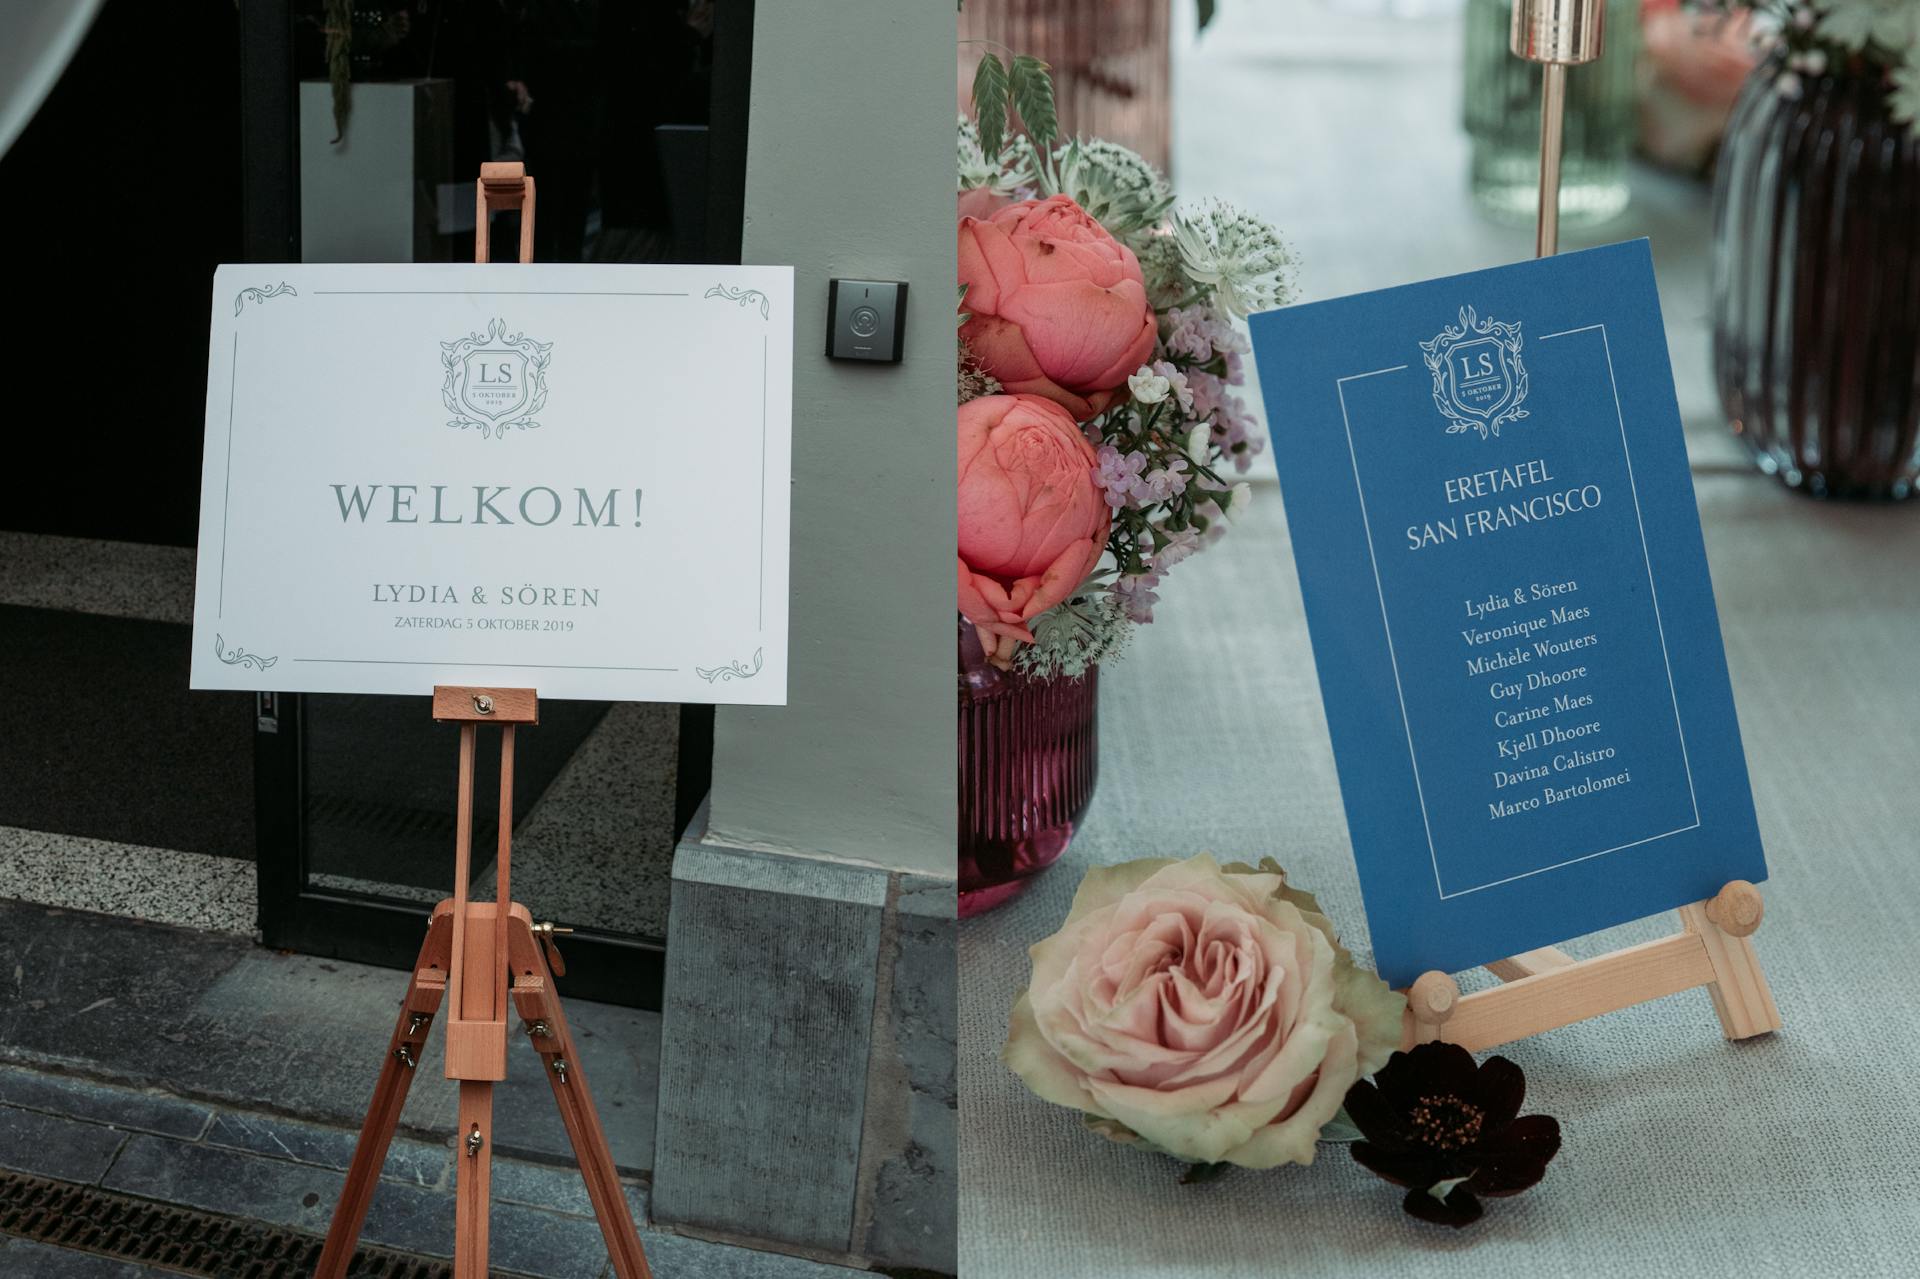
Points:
(1450, 1131)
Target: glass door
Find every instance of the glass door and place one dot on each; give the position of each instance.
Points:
(631, 119)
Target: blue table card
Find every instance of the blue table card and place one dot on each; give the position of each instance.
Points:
(1500, 555)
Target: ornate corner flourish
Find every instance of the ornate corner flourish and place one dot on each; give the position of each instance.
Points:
(741, 297)
(247, 295)
(237, 656)
(732, 670)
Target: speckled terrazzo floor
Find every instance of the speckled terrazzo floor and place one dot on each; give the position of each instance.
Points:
(192, 890)
(598, 848)
(86, 575)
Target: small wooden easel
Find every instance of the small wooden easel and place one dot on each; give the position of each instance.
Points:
(1547, 988)
(478, 957)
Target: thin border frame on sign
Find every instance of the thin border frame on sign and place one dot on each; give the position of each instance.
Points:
(1433, 854)
(760, 604)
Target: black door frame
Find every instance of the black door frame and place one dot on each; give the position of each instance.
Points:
(294, 914)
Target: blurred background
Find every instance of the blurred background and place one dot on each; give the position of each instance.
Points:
(1395, 140)
(1390, 141)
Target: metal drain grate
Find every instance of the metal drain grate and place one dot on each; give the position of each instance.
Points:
(181, 1239)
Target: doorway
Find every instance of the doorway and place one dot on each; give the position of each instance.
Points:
(631, 117)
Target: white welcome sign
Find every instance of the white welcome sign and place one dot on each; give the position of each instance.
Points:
(571, 478)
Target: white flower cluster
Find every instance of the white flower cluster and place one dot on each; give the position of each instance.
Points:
(1124, 193)
(1892, 25)
(1007, 174)
(975, 170)
(1884, 32)
(1245, 262)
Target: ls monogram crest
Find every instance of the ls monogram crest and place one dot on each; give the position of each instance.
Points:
(495, 380)
(1479, 382)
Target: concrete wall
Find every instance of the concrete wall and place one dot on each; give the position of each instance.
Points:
(850, 173)
(807, 1094)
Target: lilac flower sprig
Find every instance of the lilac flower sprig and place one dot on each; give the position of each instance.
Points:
(1158, 470)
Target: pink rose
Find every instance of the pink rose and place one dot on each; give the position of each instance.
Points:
(1059, 307)
(1032, 520)
(1691, 74)
(1207, 1012)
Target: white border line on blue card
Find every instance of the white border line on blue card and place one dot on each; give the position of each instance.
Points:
(1340, 389)
(1366, 523)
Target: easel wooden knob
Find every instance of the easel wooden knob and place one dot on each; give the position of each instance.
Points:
(1430, 1002)
(479, 958)
(1736, 909)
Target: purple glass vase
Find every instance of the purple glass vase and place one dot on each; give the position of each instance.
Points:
(1816, 284)
(1029, 757)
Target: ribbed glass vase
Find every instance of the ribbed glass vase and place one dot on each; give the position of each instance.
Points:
(1816, 284)
(1029, 758)
(1502, 115)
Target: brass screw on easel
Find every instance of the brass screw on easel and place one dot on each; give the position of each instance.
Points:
(1557, 34)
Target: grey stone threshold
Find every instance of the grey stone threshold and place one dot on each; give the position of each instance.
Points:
(196, 1068)
(288, 1173)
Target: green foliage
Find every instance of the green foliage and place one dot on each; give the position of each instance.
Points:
(990, 91)
(1876, 39)
(1032, 86)
(1071, 638)
(1000, 92)
(339, 33)
(1206, 13)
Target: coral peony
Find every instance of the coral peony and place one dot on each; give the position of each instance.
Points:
(1032, 519)
(1205, 1011)
(1058, 307)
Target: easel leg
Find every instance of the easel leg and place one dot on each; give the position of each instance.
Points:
(473, 1182)
(424, 993)
(539, 1005)
(1725, 924)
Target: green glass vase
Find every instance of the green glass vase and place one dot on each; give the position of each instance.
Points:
(1502, 112)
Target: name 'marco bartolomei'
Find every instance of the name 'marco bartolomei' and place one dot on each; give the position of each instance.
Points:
(538, 505)
(1532, 501)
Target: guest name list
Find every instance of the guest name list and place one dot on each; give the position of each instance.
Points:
(1526, 647)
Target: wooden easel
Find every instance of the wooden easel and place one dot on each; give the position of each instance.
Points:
(1547, 988)
(478, 958)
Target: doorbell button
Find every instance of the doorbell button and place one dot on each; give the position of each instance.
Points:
(866, 320)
